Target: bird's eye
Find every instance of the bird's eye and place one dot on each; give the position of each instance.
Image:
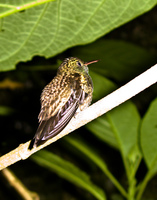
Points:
(79, 64)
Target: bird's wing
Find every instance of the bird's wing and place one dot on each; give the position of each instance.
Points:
(53, 97)
(50, 127)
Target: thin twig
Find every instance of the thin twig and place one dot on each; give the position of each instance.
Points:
(18, 185)
(99, 108)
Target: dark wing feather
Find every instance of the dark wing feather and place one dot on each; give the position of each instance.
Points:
(55, 124)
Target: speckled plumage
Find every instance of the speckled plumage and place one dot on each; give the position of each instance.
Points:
(70, 90)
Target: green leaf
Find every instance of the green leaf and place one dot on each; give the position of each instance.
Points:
(102, 86)
(67, 171)
(148, 139)
(7, 9)
(124, 121)
(78, 143)
(119, 127)
(4, 110)
(119, 60)
(149, 136)
(51, 28)
(101, 128)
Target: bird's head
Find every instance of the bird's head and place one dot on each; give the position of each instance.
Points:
(74, 65)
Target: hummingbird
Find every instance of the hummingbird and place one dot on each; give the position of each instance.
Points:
(68, 93)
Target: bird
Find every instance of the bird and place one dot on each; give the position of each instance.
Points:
(69, 92)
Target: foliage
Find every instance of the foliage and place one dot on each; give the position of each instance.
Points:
(51, 28)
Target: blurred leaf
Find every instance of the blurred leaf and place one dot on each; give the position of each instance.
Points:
(78, 143)
(116, 197)
(67, 171)
(4, 110)
(118, 59)
(7, 83)
(118, 128)
(149, 136)
(102, 86)
(51, 28)
(38, 67)
(124, 121)
(91, 154)
(101, 128)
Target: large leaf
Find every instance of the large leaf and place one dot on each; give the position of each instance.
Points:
(118, 59)
(8, 8)
(125, 121)
(119, 128)
(149, 136)
(49, 29)
(101, 128)
(67, 171)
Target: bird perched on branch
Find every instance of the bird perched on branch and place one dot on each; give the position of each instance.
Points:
(69, 92)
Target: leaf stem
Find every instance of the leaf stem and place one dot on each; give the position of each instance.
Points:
(115, 182)
(148, 176)
(143, 185)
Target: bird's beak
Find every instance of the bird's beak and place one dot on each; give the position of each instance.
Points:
(94, 61)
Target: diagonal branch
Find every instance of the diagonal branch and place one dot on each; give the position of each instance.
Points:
(99, 108)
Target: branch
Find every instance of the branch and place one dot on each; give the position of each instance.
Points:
(18, 185)
(112, 100)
